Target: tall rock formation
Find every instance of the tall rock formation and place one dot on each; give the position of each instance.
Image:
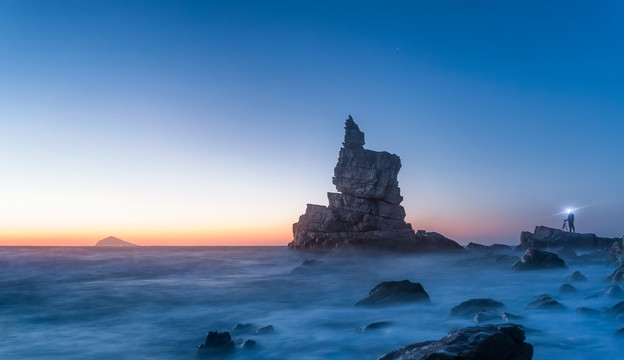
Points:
(367, 211)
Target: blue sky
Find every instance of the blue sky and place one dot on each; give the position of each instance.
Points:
(200, 122)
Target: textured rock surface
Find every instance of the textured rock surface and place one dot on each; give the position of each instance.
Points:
(367, 211)
(617, 275)
(216, 344)
(534, 259)
(487, 342)
(544, 302)
(545, 237)
(389, 292)
(575, 277)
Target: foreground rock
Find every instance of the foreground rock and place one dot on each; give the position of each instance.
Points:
(367, 212)
(113, 241)
(473, 306)
(216, 344)
(487, 342)
(567, 289)
(389, 292)
(534, 259)
(545, 237)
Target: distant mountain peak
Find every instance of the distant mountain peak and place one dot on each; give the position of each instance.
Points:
(113, 241)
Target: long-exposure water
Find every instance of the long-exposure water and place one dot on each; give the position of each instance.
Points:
(159, 302)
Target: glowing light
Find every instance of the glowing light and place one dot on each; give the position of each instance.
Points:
(568, 210)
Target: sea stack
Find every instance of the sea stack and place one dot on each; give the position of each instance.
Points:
(366, 213)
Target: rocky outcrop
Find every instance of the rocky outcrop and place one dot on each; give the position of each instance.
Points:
(113, 241)
(493, 247)
(617, 275)
(366, 213)
(216, 344)
(575, 277)
(487, 342)
(545, 237)
(389, 292)
(567, 289)
(534, 259)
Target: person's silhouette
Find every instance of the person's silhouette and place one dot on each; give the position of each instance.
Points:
(571, 222)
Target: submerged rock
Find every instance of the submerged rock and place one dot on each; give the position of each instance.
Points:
(587, 311)
(306, 266)
(575, 277)
(375, 326)
(567, 289)
(486, 342)
(474, 306)
(534, 259)
(389, 292)
(265, 330)
(216, 344)
(242, 328)
(544, 302)
(488, 316)
(545, 237)
(367, 211)
(249, 344)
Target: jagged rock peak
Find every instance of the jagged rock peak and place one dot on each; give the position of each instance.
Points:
(354, 138)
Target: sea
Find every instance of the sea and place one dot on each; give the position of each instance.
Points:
(159, 302)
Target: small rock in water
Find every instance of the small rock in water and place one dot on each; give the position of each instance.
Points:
(474, 306)
(616, 309)
(534, 259)
(544, 302)
(620, 332)
(509, 317)
(587, 311)
(306, 266)
(265, 330)
(486, 342)
(389, 292)
(216, 344)
(375, 326)
(575, 277)
(241, 328)
(567, 289)
(248, 344)
(614, 291)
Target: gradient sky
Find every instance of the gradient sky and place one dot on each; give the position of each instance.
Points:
(215, 122)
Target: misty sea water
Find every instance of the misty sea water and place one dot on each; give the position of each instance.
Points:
(159, 302)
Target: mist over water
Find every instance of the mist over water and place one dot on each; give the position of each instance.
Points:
(159, 302)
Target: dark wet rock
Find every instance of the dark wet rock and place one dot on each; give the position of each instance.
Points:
(265, 330)
(544, 302)
(389, 292)
(306, 266)
(587, 311)
(486, 342)
(567, 289)
(511, 317)
(575, 277)
(474, 306)
(545, 237)
(216, 344)
(535, 259)
(242, 328)
(249, 344)
(493, 247)
(366, 213)
(614, 291)
(617, 275)
(375, 326)
(566, 252)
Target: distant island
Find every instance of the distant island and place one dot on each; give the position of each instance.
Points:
(113, 241)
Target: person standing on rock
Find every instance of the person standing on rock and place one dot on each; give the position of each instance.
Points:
(571, 221)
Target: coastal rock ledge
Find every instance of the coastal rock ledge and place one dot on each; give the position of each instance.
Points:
(366, 213)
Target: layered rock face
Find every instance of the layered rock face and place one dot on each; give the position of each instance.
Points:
(367, 211)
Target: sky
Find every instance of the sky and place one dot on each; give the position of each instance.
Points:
(216, 122)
